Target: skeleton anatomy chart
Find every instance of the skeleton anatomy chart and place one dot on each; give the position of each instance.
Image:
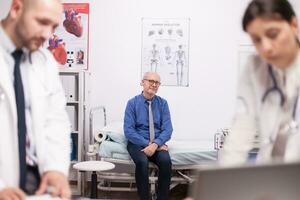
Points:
(165, 49)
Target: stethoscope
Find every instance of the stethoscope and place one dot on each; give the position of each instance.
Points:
(275, 88)
(292, 125)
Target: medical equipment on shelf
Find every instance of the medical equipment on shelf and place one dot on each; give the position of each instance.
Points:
(220, 137)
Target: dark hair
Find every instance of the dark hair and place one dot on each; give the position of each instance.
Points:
(276, 9)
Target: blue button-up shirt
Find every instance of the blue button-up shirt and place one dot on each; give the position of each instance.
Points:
(136, 121)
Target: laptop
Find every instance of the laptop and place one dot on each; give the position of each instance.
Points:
(275, 181)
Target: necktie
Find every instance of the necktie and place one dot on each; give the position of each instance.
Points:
(280, 143)
(20, 102)
(151, 124)
(285, 130)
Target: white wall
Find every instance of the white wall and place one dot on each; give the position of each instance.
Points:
(115, 59)
(4, 7)
(197, 111)
(215, 34)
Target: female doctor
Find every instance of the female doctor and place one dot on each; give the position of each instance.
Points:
(268, 87)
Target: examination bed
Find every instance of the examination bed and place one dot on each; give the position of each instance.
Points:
(111, 145)
(185, 155)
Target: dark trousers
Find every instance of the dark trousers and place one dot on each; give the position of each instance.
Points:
(162, 160)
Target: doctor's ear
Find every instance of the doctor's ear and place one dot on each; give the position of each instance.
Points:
(16, 8)
(295, 25)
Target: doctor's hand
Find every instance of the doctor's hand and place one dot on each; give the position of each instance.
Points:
(150, 149)
(56, 184)
(12, 194)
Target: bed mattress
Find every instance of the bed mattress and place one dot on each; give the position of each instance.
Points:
(181, 152)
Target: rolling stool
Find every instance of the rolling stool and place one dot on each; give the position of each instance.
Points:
(93, 166)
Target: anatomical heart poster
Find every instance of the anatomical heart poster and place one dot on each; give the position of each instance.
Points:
(69, 42)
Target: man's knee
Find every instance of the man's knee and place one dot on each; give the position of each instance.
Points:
(165, 162)
(164, 157)
(142, 162)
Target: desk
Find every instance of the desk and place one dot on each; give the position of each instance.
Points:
(93, 166)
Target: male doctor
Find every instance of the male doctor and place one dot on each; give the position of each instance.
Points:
(35, 140)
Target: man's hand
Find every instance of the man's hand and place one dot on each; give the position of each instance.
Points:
(150, 149)
(163, 148)
(57, 183)
(12, 194)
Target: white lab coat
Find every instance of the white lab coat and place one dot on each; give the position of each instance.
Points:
(50, 123)
(256, 117)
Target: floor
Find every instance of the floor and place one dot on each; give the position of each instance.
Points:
(177, 193)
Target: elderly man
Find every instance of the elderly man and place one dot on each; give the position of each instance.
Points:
(35, 140)
(148, 126)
